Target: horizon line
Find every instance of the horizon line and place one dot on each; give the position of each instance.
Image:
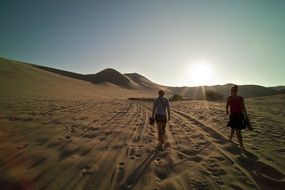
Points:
(179, 86)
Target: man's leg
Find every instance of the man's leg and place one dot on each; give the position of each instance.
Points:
(239, 137)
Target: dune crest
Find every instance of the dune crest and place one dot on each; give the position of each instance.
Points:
(135, 81)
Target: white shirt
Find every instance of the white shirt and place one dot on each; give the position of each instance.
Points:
(160, 108)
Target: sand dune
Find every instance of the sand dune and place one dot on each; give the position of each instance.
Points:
(138, 82)
(128, 81)
(143, 82)
(112, 76)
(19, 79)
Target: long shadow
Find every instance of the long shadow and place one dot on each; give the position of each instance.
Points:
(7, 181)
(138, 173)
(266, 176)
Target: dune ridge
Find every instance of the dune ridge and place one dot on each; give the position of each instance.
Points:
(21, 79)
(135, 81)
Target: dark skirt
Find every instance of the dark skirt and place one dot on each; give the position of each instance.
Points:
(237, 121)
(160, 118)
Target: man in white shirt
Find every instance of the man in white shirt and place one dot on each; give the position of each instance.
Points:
(160, 106)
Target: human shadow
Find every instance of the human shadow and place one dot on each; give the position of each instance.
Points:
(265, 175)
(138, 172)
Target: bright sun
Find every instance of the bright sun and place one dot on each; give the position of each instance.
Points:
(200, 73)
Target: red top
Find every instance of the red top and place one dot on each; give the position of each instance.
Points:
(236, 104)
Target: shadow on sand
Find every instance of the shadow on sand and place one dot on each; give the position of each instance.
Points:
(138, 172)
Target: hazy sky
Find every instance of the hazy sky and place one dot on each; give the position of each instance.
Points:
(237, 41)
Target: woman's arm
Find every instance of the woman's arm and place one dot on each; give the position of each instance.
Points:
(153, 109)
(243, 108)
(227, 106)
(168, 110)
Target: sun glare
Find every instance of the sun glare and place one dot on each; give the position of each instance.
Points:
(200, 73)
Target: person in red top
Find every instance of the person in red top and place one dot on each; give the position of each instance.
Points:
(238, 114)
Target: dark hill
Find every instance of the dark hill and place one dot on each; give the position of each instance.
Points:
(111, 76)
(137, 81)
(142, 81)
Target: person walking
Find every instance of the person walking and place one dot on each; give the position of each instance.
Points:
(160, 107)
(237, 114)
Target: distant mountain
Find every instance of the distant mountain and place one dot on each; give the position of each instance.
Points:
(129, 80)
(135, 81)
(278, 88)
(18, 79)
(244, 90)
(255, 90)
(111, 76)
(142, 81)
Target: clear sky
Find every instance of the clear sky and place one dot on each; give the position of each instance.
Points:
(170, 42)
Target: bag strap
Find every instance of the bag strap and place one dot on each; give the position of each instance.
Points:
(162, 102)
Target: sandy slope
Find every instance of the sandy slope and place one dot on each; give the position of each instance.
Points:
(84, 143)
(19, 79)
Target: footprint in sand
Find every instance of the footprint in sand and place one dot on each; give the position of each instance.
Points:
(180, 155)
(67, 137)
(13, 118)
(107, 132)
(158, 161)
(217, 171)
(23, 146)
(132, 158)
(120, 171)
(161, 175)
(102, 138)
(91, 136)
(85, 171)
(138, 155)
(132, 154)
(72, 130)
(219, 158)
(120, 167)
(27, 119)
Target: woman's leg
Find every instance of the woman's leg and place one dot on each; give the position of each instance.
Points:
(239, 137)
(163, 125)
(232, 133)
(159, 126)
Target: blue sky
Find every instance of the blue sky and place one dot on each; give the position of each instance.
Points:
(236, 41)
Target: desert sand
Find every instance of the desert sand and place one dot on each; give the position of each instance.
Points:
(62, 133)
(88, 144)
